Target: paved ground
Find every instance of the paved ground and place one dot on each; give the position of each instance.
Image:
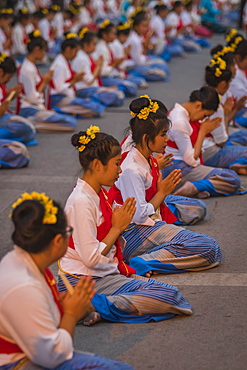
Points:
(214, 337)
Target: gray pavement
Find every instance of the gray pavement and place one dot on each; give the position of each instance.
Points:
(214, 337)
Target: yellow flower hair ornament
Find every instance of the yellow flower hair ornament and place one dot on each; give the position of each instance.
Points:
(3, 56)
(144, 112)
(36, 33)
(124, 26)
(90, 135)
(220, 66)
(6, 11)
(56, 8)
(44, 11)
(104, 24)
(231, 34)
(24, 11)
(71, 35)
(137, 11)
(50, 210)
(83, 31)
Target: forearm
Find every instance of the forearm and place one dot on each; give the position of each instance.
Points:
(198, 144)
(68, 322)
(110, 239)
(157, 199)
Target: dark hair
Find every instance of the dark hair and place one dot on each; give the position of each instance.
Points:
(125, 32)
(213, 80)
(139, 17)
(30, 233)
(103, 147)
(87, 37)
(159, 7)
(23, 16)
(207, 96)
(188, 5)
(228, 57)
(36, 41)
(8, 65)
(106, 30)
(72, 43)
(38, 14)
(153, 125)
(241, 49)
(6, 15)
(176, 5)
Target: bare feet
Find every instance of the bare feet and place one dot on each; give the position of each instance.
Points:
(203, 194)
(188, 189)
(239, 168)
(91, 319)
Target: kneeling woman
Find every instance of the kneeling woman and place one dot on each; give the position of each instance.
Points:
(152, 244)
(95, 248)
(32, 102)
(186, 138)
(39, 334)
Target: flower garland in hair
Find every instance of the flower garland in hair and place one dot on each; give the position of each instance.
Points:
(36, 33)
(71, 35)
(44, 11)
(223, 51)
(3, 56)
(90, 135)
(124, 26)
(6, 11)
(233, 32)
(144, 112)
(83, 31)
(56, 8)
(104, 24)
(24, 11)
(50, 210)
(220, 65)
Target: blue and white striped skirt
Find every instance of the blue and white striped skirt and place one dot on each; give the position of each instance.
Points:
(169, 249)
(227, 156)
(134, 300)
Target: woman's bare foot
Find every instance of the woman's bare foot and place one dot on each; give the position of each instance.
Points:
(203, 194)
(239, 168)
(188, 189)
(91, 319)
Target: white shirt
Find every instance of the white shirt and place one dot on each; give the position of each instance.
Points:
(44, 27)
(81, 63)
(3, 39)
(172, 20)
(18, 37)
(61, 74)
(180, 132)
(136, 52)
(238, 85)
(85, 17)
(29, 315)
(29, 78)
(102, 49)
(117, 49)
(135, 179)
(84, 215)
(58, 24)
(219, 135)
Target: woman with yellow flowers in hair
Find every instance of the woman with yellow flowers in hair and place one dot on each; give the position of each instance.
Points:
(95, 247)
(63, 90)
(111, 74)
(217, 152)
(238, 85)
(39, 334)
(152, 243)
(90, 85)
(6, 18)
(190, 126)
(32, 103)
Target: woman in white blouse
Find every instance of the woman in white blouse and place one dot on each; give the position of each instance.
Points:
(152, 243)
(96, 245)
(187, 134)
(39, 334)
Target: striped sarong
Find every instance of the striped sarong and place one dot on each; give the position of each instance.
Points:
(134, 300)
(169, 249)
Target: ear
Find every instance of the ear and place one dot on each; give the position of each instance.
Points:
(144, 140)
(198, 105)
(97, 164)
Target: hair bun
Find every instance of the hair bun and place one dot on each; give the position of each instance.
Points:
(28, 217)
(76, 137)
(138, 104)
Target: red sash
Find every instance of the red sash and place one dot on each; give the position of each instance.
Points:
(4, 91)
(102, 231)
(180, 24)
(93, 66)
(72, 75)
(166, 213)
(9, 347)
(193, 137)
(25, 36)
